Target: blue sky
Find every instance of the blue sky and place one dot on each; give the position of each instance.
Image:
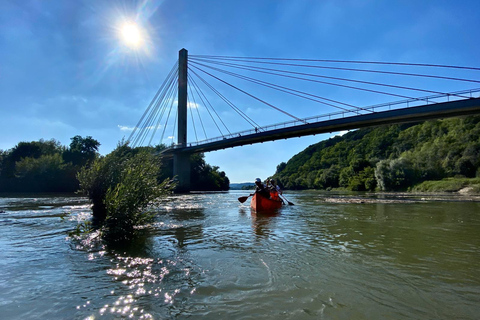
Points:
(64, 70)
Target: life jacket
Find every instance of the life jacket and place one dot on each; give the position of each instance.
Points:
(274, 195)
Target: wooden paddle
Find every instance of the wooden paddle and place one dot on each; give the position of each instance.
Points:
(289, 203)
(243, 199)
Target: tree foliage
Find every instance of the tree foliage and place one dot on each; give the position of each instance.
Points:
(206, 177)
(82, 151)
(37, 166)
(47, 166)
(103, 174)
(391, 157)
(123, 186)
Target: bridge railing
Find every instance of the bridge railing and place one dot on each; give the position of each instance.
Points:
(342, 114)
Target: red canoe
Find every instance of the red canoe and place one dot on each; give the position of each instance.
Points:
(261, 204)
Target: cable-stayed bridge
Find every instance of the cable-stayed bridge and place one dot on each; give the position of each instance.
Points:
(419, 92)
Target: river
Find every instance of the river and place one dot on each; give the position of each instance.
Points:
(329, 256)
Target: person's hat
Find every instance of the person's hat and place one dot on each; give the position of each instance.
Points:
(258, 180)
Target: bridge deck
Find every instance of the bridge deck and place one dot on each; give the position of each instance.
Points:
(404, 115)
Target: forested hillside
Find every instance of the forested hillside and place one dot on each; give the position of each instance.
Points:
(391, 157)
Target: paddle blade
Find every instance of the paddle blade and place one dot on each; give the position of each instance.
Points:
(285, 199)
(243, 199)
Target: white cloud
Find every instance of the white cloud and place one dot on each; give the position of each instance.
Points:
(340, 133)
(125, 128)
(192, 105)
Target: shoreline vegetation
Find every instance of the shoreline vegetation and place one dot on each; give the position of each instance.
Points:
(47, 166)
(453, 185)
(431, 156)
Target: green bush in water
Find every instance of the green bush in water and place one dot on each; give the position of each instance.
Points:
(103, 173)
(124, 189)
(130, 203)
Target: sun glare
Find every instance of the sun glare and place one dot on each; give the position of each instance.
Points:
(131, 35)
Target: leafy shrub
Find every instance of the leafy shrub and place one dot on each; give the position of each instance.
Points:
(104, 173)
(123, 187)
(396, 174)
(131, 202)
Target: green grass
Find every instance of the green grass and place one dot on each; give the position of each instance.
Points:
(448, 185)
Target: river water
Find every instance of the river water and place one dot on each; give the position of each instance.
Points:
(329, 256)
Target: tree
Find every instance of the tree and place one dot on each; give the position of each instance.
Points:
(82, 151)
(35, 166)
(34, 149)
(396, 174)
(329, 178)
(48, 173)
(280, 167)
(205, 177)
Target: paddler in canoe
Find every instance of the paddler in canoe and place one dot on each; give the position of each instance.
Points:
(275, 190)
(261, 189)
(264, 199)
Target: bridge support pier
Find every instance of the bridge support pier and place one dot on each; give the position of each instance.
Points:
(181, 170)
(181, 161)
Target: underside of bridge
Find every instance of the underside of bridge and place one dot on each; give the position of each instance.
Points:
(412, 114)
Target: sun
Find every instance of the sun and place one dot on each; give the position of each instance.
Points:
(131, 35)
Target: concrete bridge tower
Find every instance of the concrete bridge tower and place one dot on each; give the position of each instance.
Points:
(181, 161)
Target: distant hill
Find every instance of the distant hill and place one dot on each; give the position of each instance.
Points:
(391, 157)
(241, 186)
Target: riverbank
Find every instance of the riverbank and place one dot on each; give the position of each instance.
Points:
(461, 185)
(448, 189)
(400, 197)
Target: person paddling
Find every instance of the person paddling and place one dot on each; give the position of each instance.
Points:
(275, 186)
(261, 189)
(274, 190)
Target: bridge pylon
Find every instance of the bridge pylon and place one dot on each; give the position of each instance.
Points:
(181, 160)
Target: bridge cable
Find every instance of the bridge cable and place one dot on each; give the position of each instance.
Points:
(291, 91)
(149, 121)
(191, 112)
(211, 116)
(249, 120)
(215, 111)
(160, 102)
(172, 94)
(159, 111)
(256, 69)
(198, 112)
(152, 102)
(335, 84)
(359, 70)
(228, 102)
(148, 125)
(349, 61)
(250, 95)
(172, 100)
(175, 125)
